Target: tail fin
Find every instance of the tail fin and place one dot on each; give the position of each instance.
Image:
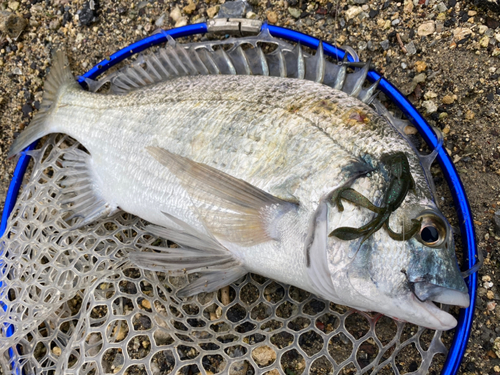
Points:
(59, 78)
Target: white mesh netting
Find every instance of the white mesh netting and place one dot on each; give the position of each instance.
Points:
(74, 305)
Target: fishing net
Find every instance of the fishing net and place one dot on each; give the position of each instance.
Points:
(73, 304)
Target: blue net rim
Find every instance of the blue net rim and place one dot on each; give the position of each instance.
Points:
(461, 202)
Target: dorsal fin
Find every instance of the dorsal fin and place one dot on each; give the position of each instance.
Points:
(242, 56)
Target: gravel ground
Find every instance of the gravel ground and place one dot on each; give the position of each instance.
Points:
(443, 55)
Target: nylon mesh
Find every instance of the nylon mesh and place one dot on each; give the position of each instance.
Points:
(74, 305)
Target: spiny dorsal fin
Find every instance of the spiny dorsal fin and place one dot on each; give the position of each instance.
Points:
(244, 57)
(232, 209)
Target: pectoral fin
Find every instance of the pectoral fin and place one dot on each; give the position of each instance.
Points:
(316, 253)
(232, 209)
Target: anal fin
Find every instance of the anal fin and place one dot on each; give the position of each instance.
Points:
(198, 253)
(81, 195)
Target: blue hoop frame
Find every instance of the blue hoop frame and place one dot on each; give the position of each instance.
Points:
(465, 318)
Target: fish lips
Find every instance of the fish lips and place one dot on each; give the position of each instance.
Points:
(426, 291)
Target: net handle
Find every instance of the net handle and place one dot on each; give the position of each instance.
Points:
(461, 202)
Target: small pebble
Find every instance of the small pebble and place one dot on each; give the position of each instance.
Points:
(385, 44)
(234, 9)
(352, 12)
(294, 12)
(442, 7)
(420, 66)
(212, 11)
(161, 20)
(11, 24)
(430, 95)
(419, 78)
(272, 17)
(410, 130)
(482, 29)
(181, 22)
(55, 24)
(426, 28)
(485, 40)
(469, 115)
(264, 355)
(190, 8)
(460, 33)
(14, 5)
(408, 6)
(448, 99)
(410, 48)
(429, 106)
(175, 14)
(146, 304)
(56, 350)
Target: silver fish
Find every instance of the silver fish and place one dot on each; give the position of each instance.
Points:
(249, 169)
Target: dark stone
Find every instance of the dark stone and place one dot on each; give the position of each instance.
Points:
(465, 39)
(66, 18)
(386, 4)
(486, 5)
(496, 222)
(490, 96)
(27, 109)
(470, 367)
(449, 22)
(452, 3)
(373, 13)
(492, 23)
(413, 366)
(87, 16)
(498, 91)
(36, 104)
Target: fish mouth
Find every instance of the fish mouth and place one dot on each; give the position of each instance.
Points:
(424, 297)
(437, 319)
(426, 291)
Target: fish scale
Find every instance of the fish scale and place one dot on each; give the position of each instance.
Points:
(244, 171)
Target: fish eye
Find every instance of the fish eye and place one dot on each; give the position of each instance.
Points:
(429, 234)
(433, 230)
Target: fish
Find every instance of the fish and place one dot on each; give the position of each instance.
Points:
(266, 162)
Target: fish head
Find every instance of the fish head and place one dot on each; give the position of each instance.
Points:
(405, 278)
(402, 279)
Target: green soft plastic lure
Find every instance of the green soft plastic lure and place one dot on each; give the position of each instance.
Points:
(401, 182)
